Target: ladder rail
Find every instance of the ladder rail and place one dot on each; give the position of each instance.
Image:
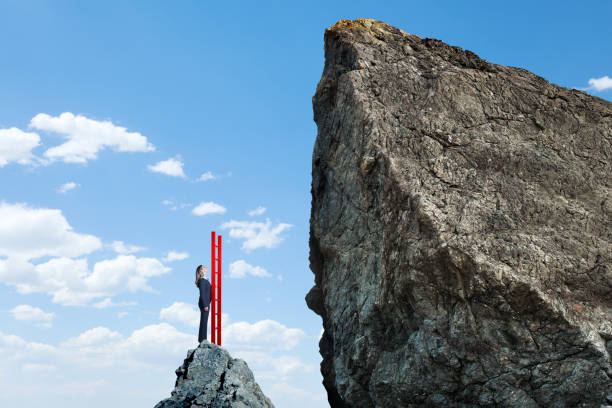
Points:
(215, 321)
(213, 276)
(218, 327)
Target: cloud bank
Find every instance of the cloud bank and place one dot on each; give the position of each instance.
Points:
(86, 137)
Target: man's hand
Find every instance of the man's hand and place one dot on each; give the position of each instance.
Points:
(206, 309)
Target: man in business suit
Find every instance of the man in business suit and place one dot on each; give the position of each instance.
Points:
(203, 302)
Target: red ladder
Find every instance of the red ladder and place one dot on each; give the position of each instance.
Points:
(215, 317)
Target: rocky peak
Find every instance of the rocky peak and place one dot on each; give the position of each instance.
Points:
(210, 377)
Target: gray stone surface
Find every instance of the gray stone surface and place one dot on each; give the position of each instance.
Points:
(460, 231)
(210, 377)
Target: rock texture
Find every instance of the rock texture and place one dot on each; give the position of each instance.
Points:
(460, 229)
(210, 378)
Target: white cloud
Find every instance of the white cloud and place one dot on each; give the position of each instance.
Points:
(258, 343)
(297, 394)
(13, 347)
(156, 349)
(62, 278)
(145, 347)
(181, 312)
(208, 208)
(268, 366)
(171, 167)
(101, 342)
(108, 302)
(87, 389)
(64, 188)
(16, 146)
(287, 364)
(256, 234)
(38, 368)
(157, 345)
(86, 137)
(149, 346)
(189, 315)
(263, 335)
(154, 346)
(239, 269)
(258, 211)
(94, 337)
(207, 176)
(121, 248)
(121, 315)
(30, 313)
(8, 341)
(125, 272)
(103, 304)
(601, 84)
(172, 206)
(159, 338)
(176, 256)
(70, 282)
(29, 233)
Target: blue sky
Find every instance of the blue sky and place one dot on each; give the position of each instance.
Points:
(92, 308)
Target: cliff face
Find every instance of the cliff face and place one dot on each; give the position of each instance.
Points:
(210, 377)
(460, 230)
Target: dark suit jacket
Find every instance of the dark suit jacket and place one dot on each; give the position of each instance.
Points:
(204, 286)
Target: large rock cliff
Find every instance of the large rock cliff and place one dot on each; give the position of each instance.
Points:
(210, 378)
(460, 231)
